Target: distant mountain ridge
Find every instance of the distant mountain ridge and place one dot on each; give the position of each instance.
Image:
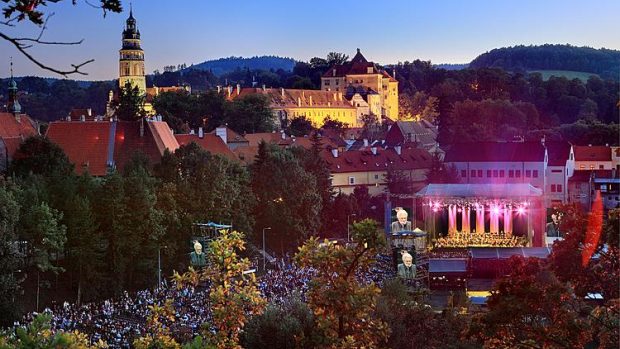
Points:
(225, 65)
(604, 62)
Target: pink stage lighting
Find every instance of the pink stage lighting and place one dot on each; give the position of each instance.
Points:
(521, 210)
(496, 210)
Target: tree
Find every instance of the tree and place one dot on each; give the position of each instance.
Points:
(300, 126)
(130, 104)
(335, 125)
(9, 256)
(282, 326)
(531, 308)
(342, 305)
(439, 172)
(233, 295)
(38, 334)
(287, 197)
(420, 106)
(336, 58)
(20, 10)
(251, 113)
(38, 155)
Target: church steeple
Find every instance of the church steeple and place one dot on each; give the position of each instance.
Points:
(13, 105)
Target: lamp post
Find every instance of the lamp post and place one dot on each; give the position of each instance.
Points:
(264, 251)
(348, 229)
(159, 265)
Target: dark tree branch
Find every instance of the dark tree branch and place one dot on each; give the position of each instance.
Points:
(21, 47)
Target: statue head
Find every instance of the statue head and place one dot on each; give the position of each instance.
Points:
(407, 259)
(402, 216)
(197, 247)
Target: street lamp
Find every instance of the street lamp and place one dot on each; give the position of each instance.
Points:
(348, 229)
(159, 265)
(264, 251)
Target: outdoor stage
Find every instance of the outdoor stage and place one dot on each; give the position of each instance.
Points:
(482, 215)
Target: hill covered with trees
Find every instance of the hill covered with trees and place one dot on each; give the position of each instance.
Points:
(225, 65)
(604, 62)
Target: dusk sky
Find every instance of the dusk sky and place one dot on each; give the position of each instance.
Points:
(183, 31)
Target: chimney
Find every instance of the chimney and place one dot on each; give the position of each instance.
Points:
(219, 89)
(221, 132)
(335, 96)
(394, 73)
(68, 117)
(201, 133)
(82, 117)
(310, 100)
(334, 72)
(191, 132)
(238, 89)
(264, 88)
(89, 111)
(365, 142)
(373, 150)
(398, 149)
(229, 89)
(299, 101)
(335, 152)
(282, 91)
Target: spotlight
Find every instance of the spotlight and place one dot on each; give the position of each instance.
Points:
(496, 210)
(521, 210)
(435, 209)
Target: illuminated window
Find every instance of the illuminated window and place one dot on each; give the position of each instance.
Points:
(582, 167)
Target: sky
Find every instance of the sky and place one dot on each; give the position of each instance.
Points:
(391, 31)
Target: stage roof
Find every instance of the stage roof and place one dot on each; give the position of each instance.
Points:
(451, 265)
(480, 190)
(505, 253)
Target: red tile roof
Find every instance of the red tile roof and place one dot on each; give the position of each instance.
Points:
(210, 143)
(365, 161)
(496, 151)
(87, 144)
(592, 153)
(557, 152)
(84, 143)
(11, 128)
(276, 138)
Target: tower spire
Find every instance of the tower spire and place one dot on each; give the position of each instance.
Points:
(13, 105)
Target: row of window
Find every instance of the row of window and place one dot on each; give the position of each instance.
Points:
(500, 173)
(583, 167)
(352, 179)
(556, 188)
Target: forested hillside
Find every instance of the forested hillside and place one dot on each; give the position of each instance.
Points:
(225, 65)
(603, 62)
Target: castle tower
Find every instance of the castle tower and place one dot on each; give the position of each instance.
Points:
(131, 60)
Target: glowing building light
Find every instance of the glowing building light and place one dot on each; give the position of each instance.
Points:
(521, 210)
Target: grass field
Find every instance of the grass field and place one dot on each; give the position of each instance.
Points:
(546, 74)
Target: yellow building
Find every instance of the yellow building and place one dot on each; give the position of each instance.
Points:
(359, 73)
(315, 105)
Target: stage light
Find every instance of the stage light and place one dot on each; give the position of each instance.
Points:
(435, 209)
(459, 210)
(496, 210)
(521, 210)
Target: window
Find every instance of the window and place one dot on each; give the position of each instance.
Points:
(351, 180)
(488, 173)
(480, 173)
(582, 167)
(603, 187)
(337, 83)
(556, 171)
(376, 176)
(501, 173)
(592, 167)
(572, 156)
(601, 167)
(528, 173)
(559, 188)
(518, 173)
(553, 188)
(473, 173)
(463, 173)
(495, 173)
(326, 82)
(535, 173)
(511, 173)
